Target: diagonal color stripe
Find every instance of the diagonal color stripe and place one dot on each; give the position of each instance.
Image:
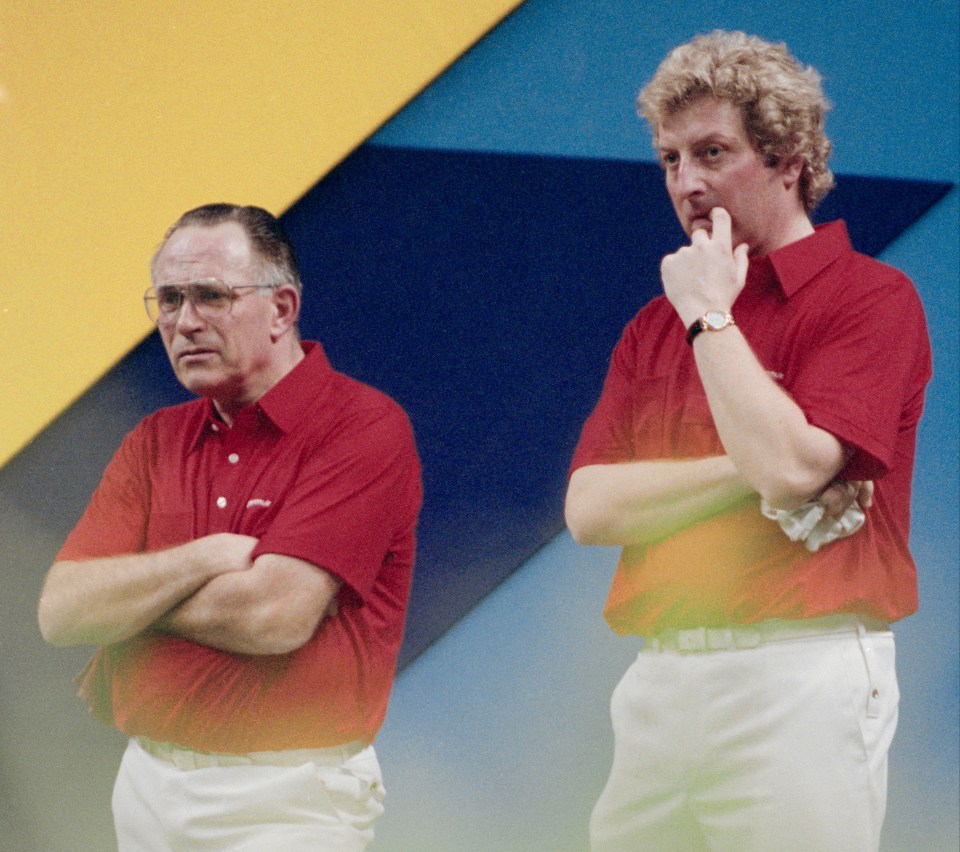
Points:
(116, 117)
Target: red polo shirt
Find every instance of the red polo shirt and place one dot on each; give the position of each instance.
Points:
(322, 468)
(845, 336)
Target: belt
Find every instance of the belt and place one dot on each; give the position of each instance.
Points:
(188, 758)
(741, 636)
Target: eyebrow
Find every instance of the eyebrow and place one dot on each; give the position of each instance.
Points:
(191, 282)
(711, 137)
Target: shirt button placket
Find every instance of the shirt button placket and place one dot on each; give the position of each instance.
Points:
(233, 458)
(227, 485)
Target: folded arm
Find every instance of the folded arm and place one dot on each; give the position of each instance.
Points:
(641, 502)
(273, 608)
(110, 599)
(784, 458)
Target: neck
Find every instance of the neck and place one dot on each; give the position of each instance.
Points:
(229, 406)
(795, 228)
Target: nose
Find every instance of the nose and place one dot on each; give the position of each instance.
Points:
(188, 318)
(687, 178)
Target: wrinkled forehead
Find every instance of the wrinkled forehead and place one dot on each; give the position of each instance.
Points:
(196, 252)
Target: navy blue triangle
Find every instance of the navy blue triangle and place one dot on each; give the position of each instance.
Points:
(485, 293)
(877, 210)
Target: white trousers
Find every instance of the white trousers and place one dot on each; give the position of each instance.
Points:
(171, 799)
(782, 746)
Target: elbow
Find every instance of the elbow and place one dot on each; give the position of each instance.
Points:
(588, 514)
(788, 490)
(53, 629)
(584, 533)
(61, 632)
(48, 626)
(803, 469)
(282, 632)
(575, 522)
(577, 531)
(584, 526)
(57, 622)
(284, 641)
(52, 626)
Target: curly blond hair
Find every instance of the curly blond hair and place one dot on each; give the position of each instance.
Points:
(782, 102)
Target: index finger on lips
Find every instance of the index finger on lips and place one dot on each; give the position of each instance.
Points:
(722, 226)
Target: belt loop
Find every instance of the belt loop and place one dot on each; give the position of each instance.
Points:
(693, 639)
(873, 694)
(720, 639)
(750, 636)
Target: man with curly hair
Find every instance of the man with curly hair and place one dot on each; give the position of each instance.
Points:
(752, 453)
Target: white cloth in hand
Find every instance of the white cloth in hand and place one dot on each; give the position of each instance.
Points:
(810, 524)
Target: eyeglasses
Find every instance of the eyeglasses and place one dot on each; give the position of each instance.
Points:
(210, 297)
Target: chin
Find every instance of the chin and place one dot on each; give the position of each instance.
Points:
(199, 384)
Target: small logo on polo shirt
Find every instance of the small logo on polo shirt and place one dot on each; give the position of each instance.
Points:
(257, 501)
(773, 374)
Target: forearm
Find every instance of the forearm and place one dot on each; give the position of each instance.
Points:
(641, 502)
(274, 608)
(766, 434)
(107, 600)
(780, 454)
(101, 601)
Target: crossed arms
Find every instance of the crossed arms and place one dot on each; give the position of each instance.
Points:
(207, 590)
(771, 448)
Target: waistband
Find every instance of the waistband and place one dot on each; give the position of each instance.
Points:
(188, 758)
(742, 636)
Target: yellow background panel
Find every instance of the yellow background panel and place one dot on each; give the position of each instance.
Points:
(116, 116)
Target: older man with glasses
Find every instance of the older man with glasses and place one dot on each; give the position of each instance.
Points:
(244, 565)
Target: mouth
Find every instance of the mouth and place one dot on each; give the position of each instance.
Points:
(194, 353)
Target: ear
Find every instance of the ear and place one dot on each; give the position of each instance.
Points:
(286, 309)
(791, 170)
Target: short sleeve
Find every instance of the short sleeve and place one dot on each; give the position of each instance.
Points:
(606, 437)
(115, 520)
(872, 361)
(352, 498)
(652, 405)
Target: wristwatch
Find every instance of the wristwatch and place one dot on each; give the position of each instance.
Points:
(710, 321)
